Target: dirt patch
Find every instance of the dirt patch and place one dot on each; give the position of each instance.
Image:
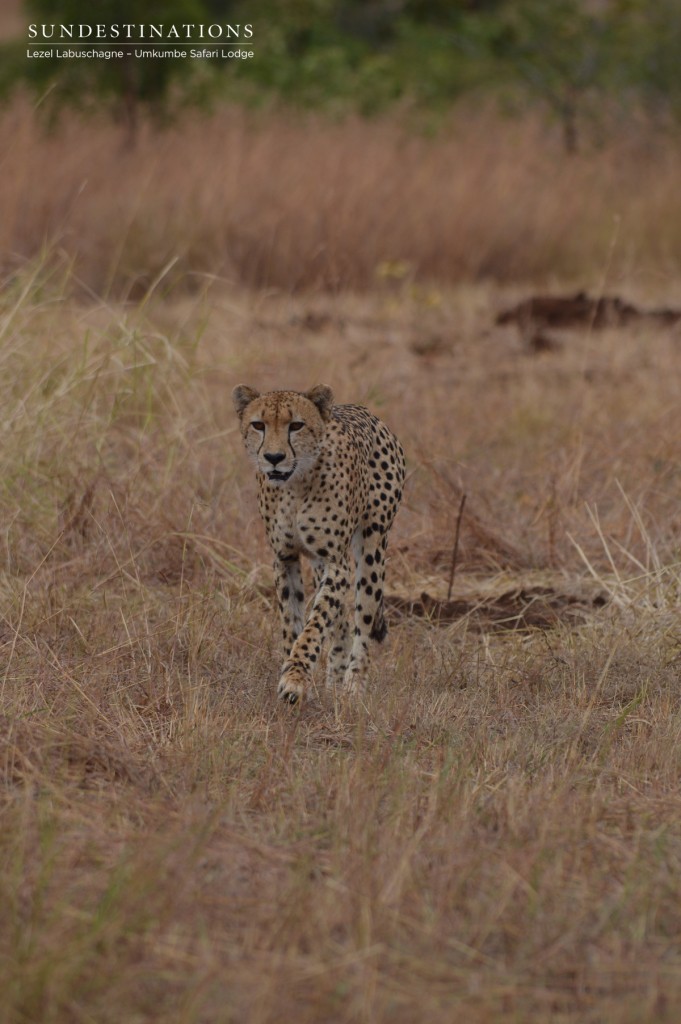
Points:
(508, 601)
(581, 311)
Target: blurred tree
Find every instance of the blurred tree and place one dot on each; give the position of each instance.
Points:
(367, 54)
(560, 54)
(569, 56)
(650, 47)
(126, 84)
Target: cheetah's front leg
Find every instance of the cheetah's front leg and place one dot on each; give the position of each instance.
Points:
(291, 598)
(328, 605)
(340, 640)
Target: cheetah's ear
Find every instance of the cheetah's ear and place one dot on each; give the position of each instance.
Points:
(243, 396)
(322, 397)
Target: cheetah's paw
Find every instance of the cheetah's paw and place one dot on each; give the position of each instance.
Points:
(292, 684)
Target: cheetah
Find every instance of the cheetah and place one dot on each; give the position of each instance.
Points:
(330, 481)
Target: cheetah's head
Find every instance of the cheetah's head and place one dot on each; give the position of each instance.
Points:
(283, 430)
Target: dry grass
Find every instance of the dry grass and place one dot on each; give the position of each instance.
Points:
(277, 200)
(496, 836)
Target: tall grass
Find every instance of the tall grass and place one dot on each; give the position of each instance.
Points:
(495, 836)
(293, 202)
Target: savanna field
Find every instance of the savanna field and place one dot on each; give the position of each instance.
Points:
(495, 833)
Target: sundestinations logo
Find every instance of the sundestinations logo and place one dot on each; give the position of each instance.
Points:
(126, 39)
(128, 32)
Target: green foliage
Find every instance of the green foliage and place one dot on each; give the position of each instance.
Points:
(560, 55)
(575, 58)
(348, 54)
(124, 84)
(650, 44)
(12, 65)
(430, 52)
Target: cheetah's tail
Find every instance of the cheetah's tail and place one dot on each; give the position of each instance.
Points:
(379, 629)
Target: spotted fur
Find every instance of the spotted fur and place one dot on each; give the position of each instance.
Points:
(330, 480)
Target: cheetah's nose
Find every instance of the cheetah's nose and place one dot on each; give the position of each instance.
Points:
(274, 459)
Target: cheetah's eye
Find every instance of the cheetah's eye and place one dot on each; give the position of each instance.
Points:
(296, 425)
(258, 425)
